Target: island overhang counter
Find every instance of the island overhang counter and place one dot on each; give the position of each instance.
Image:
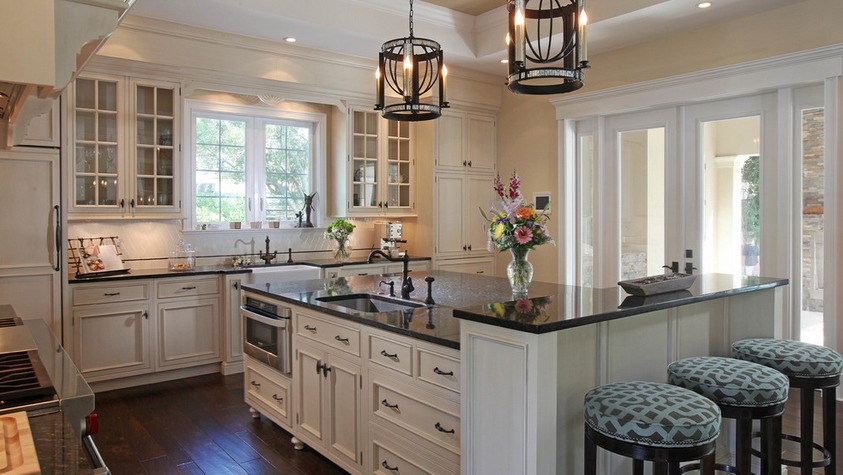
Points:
(528, 363)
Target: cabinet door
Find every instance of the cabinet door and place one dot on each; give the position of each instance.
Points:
(450, 214)
(309, 400)
(233, 323)
(355, 270)
(112, 340)
(188, 332)
(342, 386)
(365, 179)
(449, 141)
(481, 143)
(97, 138)
(468, 266)
(480, 195)
(399, 169)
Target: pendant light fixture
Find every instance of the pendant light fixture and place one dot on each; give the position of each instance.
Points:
(412, 68)
(551, 33)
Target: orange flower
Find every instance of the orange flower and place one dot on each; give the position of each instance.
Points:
(524, 213)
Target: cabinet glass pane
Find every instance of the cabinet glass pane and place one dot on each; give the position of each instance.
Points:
(165, 162)
(359, 147)
(372, 123)
(145, 192)
(399, 196)
(85, 190)
(107, 97)
(404, 151)
(164, 189)
(85, 93)
(86, 126)
(359, 122)
(393, 128)
(371, 147)
(86, 158)
(146, 131)
(107, 159)
(165, 102)
(392, 153)
(107, 127)
(146, 100)
(365, 195)
(165, 132)
(107, 191)
(146, 161)
(404, 130)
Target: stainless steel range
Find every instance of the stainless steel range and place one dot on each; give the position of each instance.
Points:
(37, 376)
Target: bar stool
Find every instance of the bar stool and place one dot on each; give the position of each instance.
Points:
(807, 367)
(743, 391)
(648, 421)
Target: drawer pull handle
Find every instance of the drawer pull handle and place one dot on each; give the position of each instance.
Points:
(388, 467)
(111, 294)
(192, 287)
(442, 373)
(310, 328)
(388, 355)
(386, 403)
(256, 384)
(279, 399)
(442, 429)
(341, 339)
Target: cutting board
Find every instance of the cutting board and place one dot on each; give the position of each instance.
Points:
(17, 450)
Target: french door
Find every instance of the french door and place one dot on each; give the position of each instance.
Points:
(691, 188)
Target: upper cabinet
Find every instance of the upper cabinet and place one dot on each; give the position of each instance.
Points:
(124, 148)
(465, 141)
(378, 173)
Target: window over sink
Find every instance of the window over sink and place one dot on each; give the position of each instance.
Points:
(252, 164)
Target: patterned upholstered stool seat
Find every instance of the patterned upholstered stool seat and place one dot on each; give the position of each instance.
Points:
(650, 421)
(808, 367)
(744, 391)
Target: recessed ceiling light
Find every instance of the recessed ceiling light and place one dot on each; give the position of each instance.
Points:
(289, 39)
(704, 5)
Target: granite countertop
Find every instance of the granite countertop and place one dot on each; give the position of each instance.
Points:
(220, 269)
(549, 307)
(59, 448)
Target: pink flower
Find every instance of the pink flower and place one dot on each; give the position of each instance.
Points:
(523, 235)
(523, 305)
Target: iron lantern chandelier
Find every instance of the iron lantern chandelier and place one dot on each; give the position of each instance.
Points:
(554, 32)
(411, 67)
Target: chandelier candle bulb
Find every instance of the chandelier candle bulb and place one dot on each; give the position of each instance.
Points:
(443, 85)
(581, 37)
(520, 39)
(408, 70)
(377, 85)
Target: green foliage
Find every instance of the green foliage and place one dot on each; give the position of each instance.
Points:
(751, 206)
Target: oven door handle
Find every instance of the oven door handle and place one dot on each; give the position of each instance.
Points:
(96, 459)
(275, 322)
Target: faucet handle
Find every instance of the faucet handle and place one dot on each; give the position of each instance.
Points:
(429, 300)
(391, 285)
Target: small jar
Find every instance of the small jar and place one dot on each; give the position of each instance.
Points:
(182, 258)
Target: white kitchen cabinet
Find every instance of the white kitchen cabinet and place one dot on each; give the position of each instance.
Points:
(327, 399)
(482, 266)
(267, 392)
(381, 268)
(378, 173)
(233, 324)
(460, 230)
(465, 141)
(123, 143)
(112, 330)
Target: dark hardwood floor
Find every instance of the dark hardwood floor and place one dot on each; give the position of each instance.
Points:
(202, 426)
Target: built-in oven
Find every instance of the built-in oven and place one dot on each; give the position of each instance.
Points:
(267, 332)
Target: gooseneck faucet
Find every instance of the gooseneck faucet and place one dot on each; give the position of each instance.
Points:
(406, 281)
(266, 257)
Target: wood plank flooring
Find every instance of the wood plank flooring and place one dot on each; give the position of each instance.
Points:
(202, 426)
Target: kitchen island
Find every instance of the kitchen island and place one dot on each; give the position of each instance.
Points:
(525, 364)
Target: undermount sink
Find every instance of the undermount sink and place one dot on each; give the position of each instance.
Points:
(370, 303)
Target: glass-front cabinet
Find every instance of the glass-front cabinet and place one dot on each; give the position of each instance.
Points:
(381, 170)
(125, 147)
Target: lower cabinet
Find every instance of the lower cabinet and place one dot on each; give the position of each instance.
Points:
(112, 340)
(328, 389)
(483, 266)
(267, 392)
(188, 332)
(232, 358)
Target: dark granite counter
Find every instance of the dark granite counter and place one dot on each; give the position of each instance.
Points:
(59, 448)
(549, 307)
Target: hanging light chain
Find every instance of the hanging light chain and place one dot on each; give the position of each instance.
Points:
(411, 18)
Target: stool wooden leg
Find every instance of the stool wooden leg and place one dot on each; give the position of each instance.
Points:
(771, 445)
(707, 464)
(638, 467)
(743, 445)
(830, 427)
(806, 416)
(659, 467)
(590, 461)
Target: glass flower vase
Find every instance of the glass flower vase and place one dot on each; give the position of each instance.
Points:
(343, 250)
(519, 271)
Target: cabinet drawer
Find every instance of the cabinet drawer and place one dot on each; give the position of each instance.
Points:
(168, 288)
(271, 396)
(109, 293)
(392, 354)
(426, 416)
(390, 454)
(328, 333)
(439, 370)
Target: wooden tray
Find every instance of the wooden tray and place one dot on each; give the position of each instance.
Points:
(17, 450)
(658, 284)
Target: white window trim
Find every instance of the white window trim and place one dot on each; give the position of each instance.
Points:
(318, 176)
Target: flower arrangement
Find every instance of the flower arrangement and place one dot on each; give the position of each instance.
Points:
(518, 227)
(513, 223)
(528, 310)
(340, 230)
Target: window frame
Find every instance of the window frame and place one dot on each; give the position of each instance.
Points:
(256, 119)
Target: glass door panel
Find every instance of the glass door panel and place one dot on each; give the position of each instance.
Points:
(95, 143)
(154, 183)
(365, 160)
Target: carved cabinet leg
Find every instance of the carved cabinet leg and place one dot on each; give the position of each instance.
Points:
(255, 414)
(297, 444)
